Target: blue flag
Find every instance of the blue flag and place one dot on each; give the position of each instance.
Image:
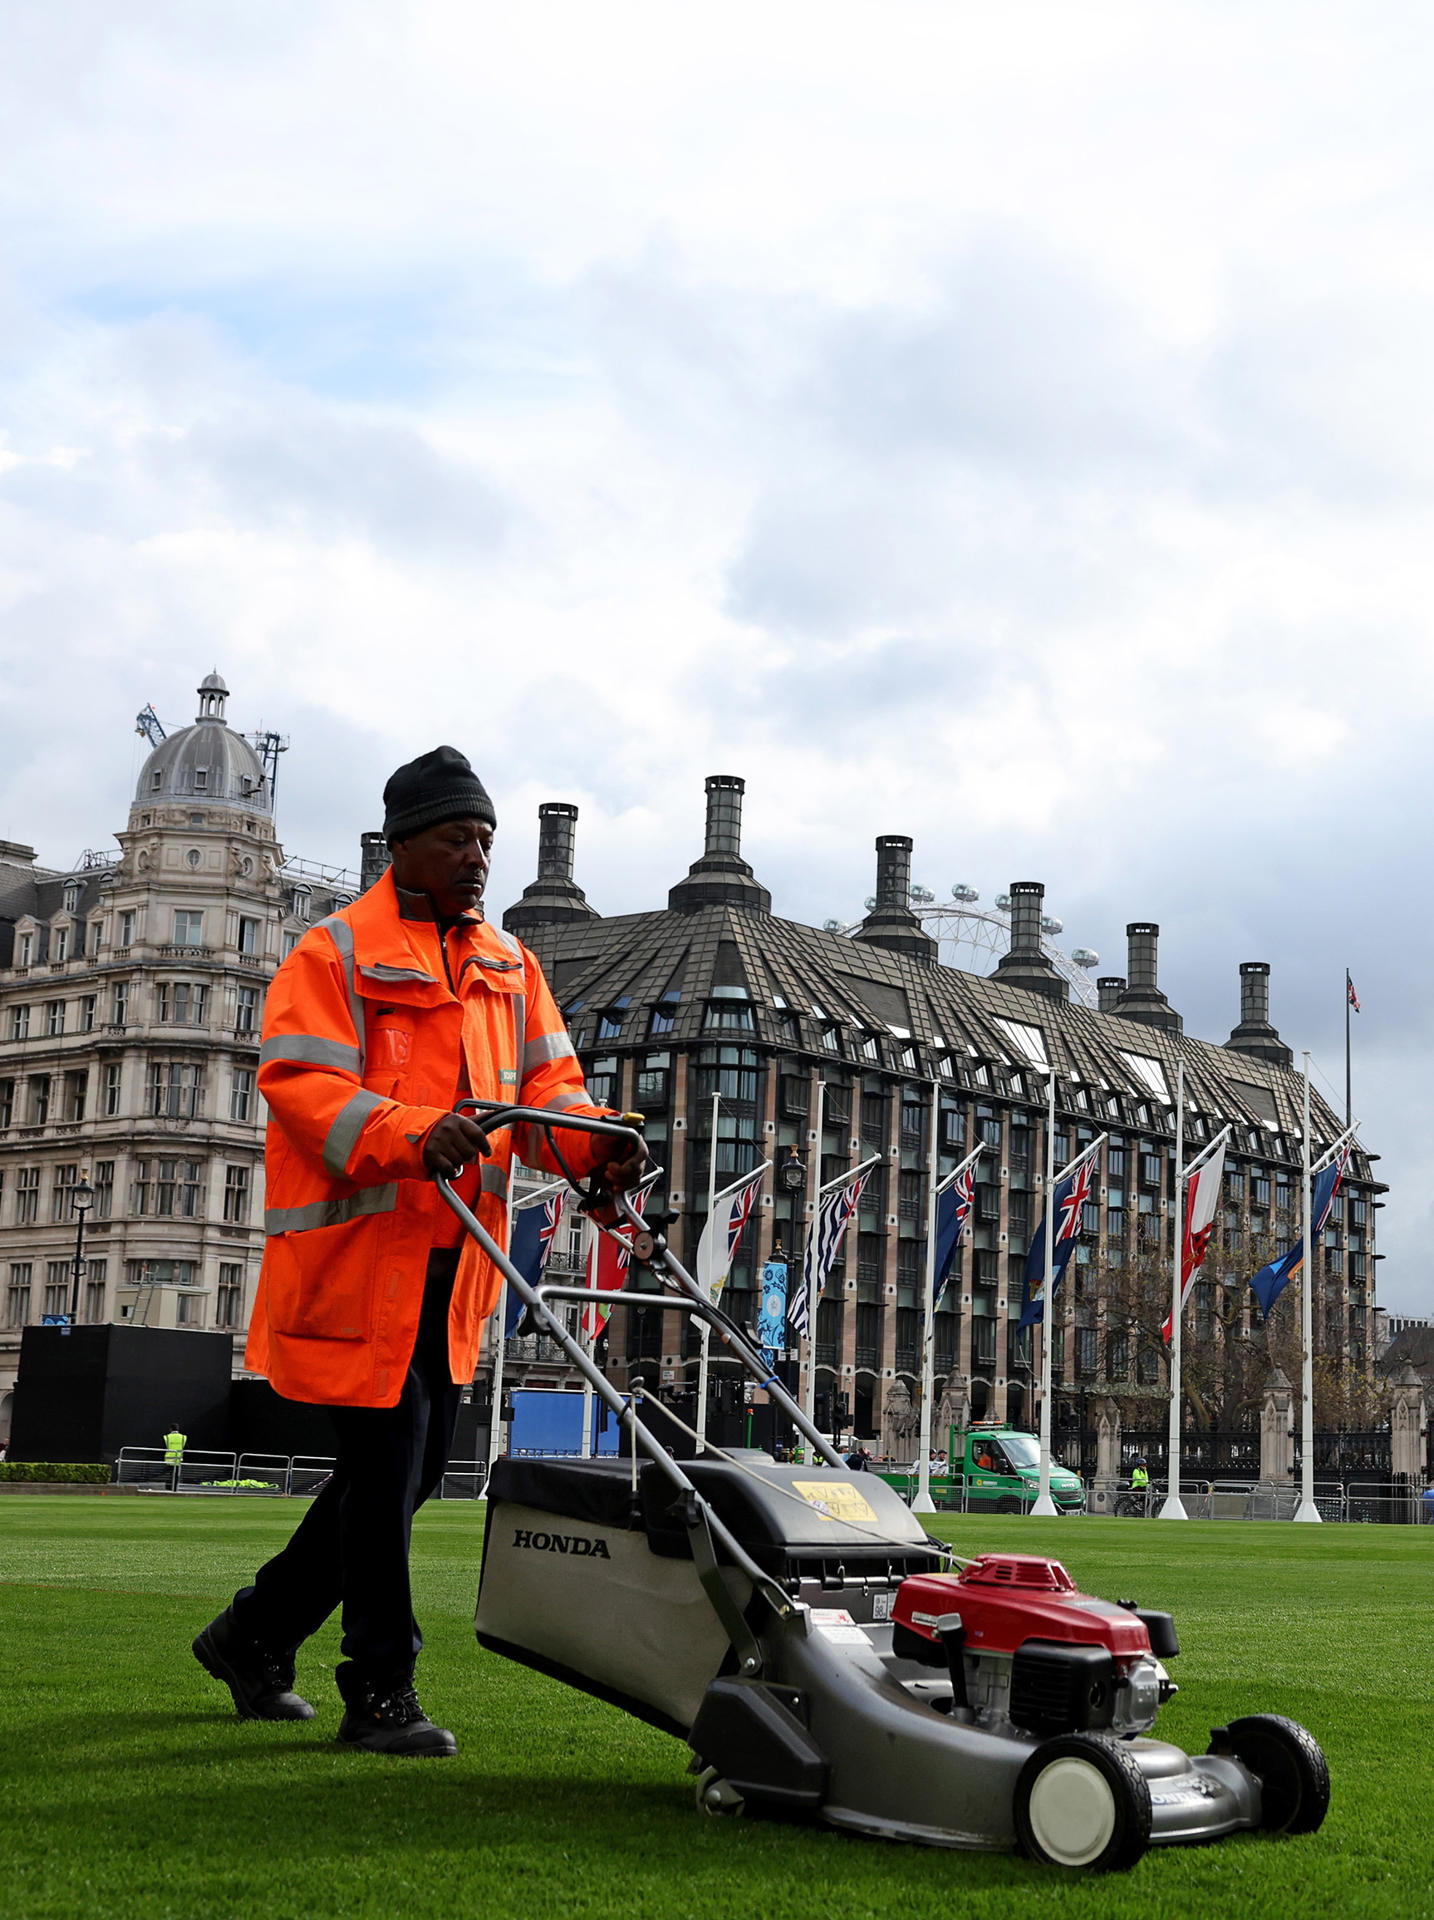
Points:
(1272, 1279)
(953, 1210)
(534, 1229)
(1071, 1194)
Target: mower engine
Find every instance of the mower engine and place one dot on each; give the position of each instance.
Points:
(1024, 1648)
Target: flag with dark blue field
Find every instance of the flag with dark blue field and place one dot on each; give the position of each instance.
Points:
(953, 1210)
(534, 1229)
(1071, 1194)
(1272, 1279)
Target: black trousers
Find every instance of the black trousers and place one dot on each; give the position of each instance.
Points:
(351, 1547)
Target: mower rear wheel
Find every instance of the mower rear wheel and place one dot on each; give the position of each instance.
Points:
(1082, 1801)
(717, 1796)
(1292, 1771)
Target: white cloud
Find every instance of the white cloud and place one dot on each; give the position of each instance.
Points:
(1009, 426)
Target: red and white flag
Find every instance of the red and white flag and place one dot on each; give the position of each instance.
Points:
(609, 1256)
(1202, 1197)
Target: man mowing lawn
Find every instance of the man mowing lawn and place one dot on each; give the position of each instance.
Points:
(380, 1019)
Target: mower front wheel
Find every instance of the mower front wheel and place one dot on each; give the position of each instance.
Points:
(1291, 1769)
(1082, 1801)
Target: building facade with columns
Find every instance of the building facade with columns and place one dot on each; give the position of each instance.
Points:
(714, 993)
(131, 996)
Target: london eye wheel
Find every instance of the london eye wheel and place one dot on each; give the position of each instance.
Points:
(972, 937)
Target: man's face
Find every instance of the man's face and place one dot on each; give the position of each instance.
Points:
(448, 862)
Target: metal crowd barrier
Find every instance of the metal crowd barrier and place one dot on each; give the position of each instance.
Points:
(148, 1467)
(1357, 1502)
(463, 1480)
(201, 1471)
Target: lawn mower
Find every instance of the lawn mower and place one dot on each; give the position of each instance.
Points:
(822, 1656)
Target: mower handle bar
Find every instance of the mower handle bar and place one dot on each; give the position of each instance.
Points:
(659, 1256)
(698, 1508)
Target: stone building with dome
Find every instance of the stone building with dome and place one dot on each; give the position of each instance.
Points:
(131, 995)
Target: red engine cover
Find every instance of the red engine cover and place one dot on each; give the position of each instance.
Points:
(1005, 1599)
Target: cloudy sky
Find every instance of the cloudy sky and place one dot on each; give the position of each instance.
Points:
(1011, 426)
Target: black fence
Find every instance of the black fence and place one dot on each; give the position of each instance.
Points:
(1351, 1456)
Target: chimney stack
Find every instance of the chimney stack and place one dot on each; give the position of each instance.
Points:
(721, 878)
(373, 860)
(554, 898)
(1026, 965)
(1142, 999)
(557, 832)
(1254, 993)
(1109, 990)
(891, 922)
(1254, 1035)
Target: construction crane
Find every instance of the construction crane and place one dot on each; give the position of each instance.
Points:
(146, 721)
(269, 746)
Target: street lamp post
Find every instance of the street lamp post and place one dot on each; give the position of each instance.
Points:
(82, 1199)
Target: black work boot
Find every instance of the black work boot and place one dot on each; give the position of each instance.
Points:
(382, 1715)
(261, 1681)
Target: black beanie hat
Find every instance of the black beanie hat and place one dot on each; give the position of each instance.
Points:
(435, 787)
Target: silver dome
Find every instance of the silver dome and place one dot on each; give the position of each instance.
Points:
(207, 761)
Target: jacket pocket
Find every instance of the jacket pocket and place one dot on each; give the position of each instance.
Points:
(388, 1050)
(319, 1285)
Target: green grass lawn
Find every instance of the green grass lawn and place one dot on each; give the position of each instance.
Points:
(128, 1787)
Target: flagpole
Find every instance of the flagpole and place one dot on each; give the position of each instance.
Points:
(923, 1503)
(1348, 1088)
(1307, 1510)
(703, 1332)
(809, 1396)
(588, 1339)
(1174, 1508)
(1044, 1504)
(498, 1322)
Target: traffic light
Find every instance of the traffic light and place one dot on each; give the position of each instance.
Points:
(505, 1410)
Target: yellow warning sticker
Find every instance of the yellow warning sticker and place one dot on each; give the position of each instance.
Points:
(834, 1499)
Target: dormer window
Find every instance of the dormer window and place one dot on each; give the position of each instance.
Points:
(156, 780)
(201, 779)
(72, 897)
(25, 950)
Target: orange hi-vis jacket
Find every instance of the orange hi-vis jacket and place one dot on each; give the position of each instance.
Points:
(368, 1027)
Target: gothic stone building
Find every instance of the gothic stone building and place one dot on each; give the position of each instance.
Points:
(716, 994)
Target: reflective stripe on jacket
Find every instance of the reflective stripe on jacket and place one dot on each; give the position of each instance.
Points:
(363, 1042)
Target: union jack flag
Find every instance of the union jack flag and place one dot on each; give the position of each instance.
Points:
(953, 1210)
(834, 1213)
(1071, 1194)
(1353, 996)
(736, 1210)
(534, 1231)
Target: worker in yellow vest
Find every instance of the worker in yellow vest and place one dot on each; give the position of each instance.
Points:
(174, 1444)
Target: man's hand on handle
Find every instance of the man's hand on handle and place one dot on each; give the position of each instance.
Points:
(451, 1143)
(618, 1176)
(454, 1141)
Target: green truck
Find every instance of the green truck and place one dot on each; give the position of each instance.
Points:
(994, 1468)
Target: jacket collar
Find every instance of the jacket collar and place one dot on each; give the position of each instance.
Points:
(383, 935)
